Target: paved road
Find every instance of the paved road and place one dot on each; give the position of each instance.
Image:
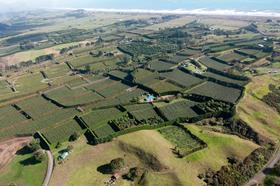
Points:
(50, 168)
(259, 177)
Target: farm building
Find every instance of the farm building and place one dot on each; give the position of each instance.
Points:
(63, 156)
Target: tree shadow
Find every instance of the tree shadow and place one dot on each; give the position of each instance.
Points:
(62, 151)
(104, 169)
(23, 151)
(269, 171)
(29, 161)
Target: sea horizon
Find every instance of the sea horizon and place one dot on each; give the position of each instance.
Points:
(198, 11)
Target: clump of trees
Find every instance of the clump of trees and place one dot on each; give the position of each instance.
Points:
(35, 148)
(117, 164)
(134, 173)
(74, 136)
(39, 155)
(239, 173)
(34, 145)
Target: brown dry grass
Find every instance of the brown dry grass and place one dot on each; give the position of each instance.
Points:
(255, 112)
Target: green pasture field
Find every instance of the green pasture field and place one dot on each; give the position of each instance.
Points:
(214, 64)
(217, 91)
(178, 109)
(22, 171)
(4, 88)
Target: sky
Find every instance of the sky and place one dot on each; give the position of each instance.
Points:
(244, 5)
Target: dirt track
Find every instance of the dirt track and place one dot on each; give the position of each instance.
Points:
(50, 169)
(9, 148)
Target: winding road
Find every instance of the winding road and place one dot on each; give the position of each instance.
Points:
(50, 168)
(259, 177)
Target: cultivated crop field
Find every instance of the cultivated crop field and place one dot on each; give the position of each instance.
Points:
(214, 64)
(180, 138)
(231, 57)
(178, 109)
(184, 79)
(225, 79)
(217, 91)
(160, 65)
(100, 118)
(61, 132)
(68, 97)
(188, 52)
(153, 88)
(142, 112)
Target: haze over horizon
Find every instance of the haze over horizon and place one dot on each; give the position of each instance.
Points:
(240, 5)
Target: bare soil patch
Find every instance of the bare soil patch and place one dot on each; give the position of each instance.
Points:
(9, 148)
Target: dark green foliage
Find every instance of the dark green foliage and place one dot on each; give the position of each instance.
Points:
(217, 91)
(58, 145)
(124, 122)
(34, 145)
(74, 136)
(212, 106)
(133, 173)
(273, 97)
(138, 48)
(39, 155)
(183, 140)
(179, 109)
(238, 174)
(44, 58)
(117, 164)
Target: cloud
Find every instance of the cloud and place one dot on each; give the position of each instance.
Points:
(8, 5)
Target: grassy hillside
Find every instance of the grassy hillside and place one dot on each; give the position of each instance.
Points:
(23, 171)
(255, 112)
(81, 167)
